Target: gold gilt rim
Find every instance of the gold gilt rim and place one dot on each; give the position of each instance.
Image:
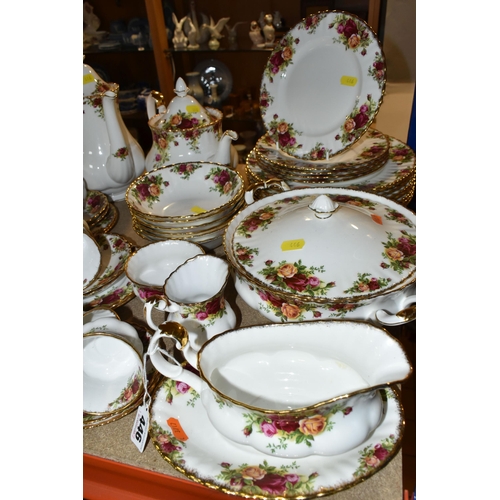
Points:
(305, 299)
(97, 229)
(188, 217)
(102, 308)
(304, 409)
(337, 489)
(215, 115)
(97, 422)
(92, 219)
(310, 165)
(180, 234)
(321, 176)
(139, 393)
(126, 298)
(203, 226)
(154, 238)
(97, 286)
(138, 283)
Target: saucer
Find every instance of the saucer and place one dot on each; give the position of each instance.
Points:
(185, 438)
(114, 295)
(107, 222)
(95, 207)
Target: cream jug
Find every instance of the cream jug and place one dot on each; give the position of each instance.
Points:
(112, 158)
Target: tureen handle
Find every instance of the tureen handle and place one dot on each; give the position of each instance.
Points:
(405, 315)
(262, 186)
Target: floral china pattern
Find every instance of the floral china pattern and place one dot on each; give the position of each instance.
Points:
(351, 33)
(400, 252)
(373, 456)
(245, 254)
(296, 277)
(284, 134)
(224, 180)
(266, 479)
(94, 100)
(377, 69)
(122, 153)
(174, 388)
(298, 429)
(318, 152)
(94, 202)
(114, 297)
(357, 121)
(166, 442)
(128, 392)
(206, 312)
(398, 217)
(121, 250)
(191, 130)
(367, 283)
(281, 57)
(149, 189)
(311, 22)
(257, 220)
(295, 310)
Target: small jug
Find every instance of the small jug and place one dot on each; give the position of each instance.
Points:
(194, 297)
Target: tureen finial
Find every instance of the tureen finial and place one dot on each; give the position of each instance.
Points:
(323, 207)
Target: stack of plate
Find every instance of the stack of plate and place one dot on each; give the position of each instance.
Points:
(186, 201)
(98, 212)
(396, 179)
(109, 284)
(321, 89)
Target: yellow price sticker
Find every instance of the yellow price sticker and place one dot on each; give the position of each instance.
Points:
(292, 245)
(88, 78)
(192, 108)
(197, 210)
(350, 81)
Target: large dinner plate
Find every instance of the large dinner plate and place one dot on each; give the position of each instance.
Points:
(323, 85)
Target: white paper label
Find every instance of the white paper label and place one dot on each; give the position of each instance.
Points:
(139, 434)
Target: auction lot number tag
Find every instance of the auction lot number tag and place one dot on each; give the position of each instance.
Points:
(139, 434)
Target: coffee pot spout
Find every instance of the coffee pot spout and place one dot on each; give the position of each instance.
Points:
(120, 163)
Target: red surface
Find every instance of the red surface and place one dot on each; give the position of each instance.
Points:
(107, 480)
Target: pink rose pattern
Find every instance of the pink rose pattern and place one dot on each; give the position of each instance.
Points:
(173, 388)
(206, 312)
(225, 181)
(265, 479)
(166, 443)
(373, 456)
(95, 99)
(401, 252)
(300, 428)
(122, 153)
(128, 393)
(367, 283)
(356, 123)
(148, 189)
(114, 297)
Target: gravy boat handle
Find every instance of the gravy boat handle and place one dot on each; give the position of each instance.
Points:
(172, 369)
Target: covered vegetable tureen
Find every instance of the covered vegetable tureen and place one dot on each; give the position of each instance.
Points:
(314, 253)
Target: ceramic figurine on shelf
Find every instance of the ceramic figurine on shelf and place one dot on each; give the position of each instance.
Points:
(216, 32)
(255, 35)
(201, 29)
(192, 35)
(180, 39)
(269, 31)
(233, 35)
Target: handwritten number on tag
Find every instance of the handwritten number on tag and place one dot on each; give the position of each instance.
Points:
(140, 429)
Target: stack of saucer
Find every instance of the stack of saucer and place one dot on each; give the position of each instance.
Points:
(98, 212)
(191, 201)
(104, 278)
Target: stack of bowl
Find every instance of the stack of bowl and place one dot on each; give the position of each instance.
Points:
(104, 278)
(191, 201)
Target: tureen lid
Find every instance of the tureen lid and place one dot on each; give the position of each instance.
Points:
(324, 244)
(183, 111)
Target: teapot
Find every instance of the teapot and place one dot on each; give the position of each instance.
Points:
(112, 158)
(186, 131)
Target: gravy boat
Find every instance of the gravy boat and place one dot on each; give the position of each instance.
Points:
(290, 390)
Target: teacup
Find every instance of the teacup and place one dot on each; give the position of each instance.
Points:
(151, 265)
(193, 295)
(112, 373)
(291, 390)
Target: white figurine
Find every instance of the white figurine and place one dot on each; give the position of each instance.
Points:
(180, 39)
(232, 34)
(269, 31)
(192, 35)
(255, 35)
